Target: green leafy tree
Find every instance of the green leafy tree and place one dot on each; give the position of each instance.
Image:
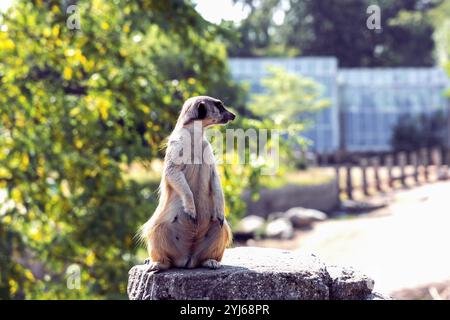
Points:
(440, 18)
(288, 103)
(244, 172)
(338, 28)
(77, 107)
(288, 100)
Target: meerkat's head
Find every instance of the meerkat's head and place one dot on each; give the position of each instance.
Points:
(208, 110)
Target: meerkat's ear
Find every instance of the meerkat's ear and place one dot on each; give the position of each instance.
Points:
(196, 112)
(201, 111)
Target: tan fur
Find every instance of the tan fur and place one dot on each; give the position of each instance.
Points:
(188, 228)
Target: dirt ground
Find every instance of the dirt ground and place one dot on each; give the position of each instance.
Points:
(404, 247)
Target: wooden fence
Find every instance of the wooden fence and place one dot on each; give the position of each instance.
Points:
(376, 173)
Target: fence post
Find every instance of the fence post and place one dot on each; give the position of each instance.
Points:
(445, 160)
(415, 162)
(401, 161)
(438, 163)
(376, 166)
(363, 163)
(349, 186)
(425, 162)
(325, 159)
(338, 178)
(389, 165)
(447, 152)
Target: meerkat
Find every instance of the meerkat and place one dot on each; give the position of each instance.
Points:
(188, 228)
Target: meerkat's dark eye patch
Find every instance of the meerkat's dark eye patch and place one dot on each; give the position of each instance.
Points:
(201, 111)
(219, 105)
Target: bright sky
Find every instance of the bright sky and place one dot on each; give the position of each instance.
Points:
(4, 4)
(217, 10)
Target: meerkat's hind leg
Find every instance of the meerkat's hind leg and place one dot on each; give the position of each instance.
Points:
(211, 264)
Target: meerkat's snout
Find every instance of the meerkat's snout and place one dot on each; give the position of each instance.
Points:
(225, 115)
(228, 116)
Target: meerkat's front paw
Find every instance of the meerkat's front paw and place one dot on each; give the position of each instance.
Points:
(157, 266)
(218, 216)
(211, 264)
(191, 212)
(192, 218)
(220, 219)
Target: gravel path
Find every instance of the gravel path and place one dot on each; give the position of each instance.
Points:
(404, 245)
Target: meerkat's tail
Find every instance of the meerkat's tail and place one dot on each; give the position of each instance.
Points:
(142, 234)
(229, 235)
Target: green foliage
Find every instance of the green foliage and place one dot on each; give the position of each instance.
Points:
(236, 179)
(77, 106)
(242, 173)
(334, 28)
(440, 18)
(288, 103)
(288, 100)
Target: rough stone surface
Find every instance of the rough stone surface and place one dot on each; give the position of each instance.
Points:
(347, 284)
(377, 296)
(252, 273)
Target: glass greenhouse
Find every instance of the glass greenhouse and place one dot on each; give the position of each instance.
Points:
(365, 103)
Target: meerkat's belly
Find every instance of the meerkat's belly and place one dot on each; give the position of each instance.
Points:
(199, 180)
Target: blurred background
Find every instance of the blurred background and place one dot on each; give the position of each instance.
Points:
(89, 90)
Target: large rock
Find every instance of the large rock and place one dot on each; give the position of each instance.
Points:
(249, 227)
(276, 215)
(353, 206)
(253, 273)
(303, 217)
(279, 228)
(347, 284)
(323, 197)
